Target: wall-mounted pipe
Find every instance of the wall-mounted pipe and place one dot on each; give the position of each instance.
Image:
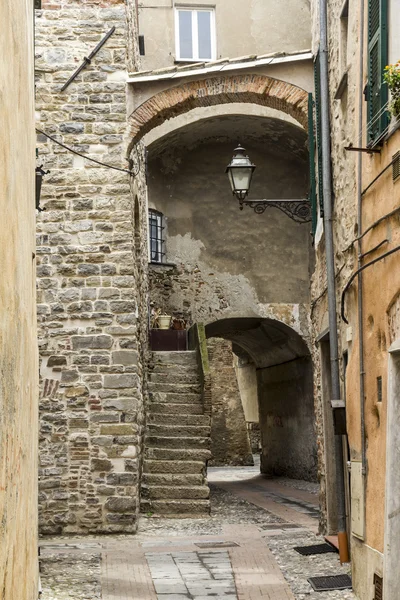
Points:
(360, 251)
(330, 269)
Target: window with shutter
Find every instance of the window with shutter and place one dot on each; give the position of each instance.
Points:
(378, 116)
(311, 151)
(317, 82)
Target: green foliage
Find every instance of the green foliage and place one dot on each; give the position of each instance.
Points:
(392, 78)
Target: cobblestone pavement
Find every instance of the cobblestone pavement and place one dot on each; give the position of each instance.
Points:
(243, 552)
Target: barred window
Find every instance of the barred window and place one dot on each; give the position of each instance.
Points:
(157, 240)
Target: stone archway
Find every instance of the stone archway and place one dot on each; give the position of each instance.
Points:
(283, 367)
(250, 89)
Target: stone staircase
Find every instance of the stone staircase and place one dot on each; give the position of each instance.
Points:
(177, 441)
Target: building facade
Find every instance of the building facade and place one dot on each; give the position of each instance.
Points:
(18, 343)
(363, 39)
(176, 113)
(92, 262)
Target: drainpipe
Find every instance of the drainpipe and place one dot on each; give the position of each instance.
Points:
(330, 269)
(359, 233)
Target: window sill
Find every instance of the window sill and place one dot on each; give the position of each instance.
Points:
(191, 61)
(162, 264)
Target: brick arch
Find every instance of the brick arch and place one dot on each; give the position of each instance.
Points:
(250, 89)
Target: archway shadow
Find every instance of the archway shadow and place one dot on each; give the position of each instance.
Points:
(283, 375)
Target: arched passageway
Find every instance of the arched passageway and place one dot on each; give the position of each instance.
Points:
(283, 370)
(249, 89)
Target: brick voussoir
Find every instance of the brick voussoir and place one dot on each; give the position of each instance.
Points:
(256, 89)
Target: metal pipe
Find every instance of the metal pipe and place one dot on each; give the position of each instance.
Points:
(360, 251)
(352, 278)
(330, 269)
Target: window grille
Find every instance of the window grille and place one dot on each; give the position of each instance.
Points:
(378, 583)
(195, 34)
(157, 238)
(396, 166)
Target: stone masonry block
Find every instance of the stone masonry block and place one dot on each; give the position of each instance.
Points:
(125, 357)
(120, 381)
(80, 342)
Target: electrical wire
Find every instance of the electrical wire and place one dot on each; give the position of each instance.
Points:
(98, 162)
(371, 121)
(352, 278)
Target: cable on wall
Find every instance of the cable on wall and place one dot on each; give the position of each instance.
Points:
(98, 162)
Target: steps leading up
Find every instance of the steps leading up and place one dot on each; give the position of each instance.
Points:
(177, 440)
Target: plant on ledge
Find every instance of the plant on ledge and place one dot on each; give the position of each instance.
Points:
(392, 78)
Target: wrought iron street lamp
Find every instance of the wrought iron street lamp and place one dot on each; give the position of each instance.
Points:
(240, 173)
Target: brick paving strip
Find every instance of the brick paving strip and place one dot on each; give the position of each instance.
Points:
(177, 569)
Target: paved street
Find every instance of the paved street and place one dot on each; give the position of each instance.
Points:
(243, 552)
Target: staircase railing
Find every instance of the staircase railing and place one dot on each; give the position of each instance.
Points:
(197, 341)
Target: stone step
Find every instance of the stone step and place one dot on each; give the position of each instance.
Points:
(172, 467)
(182, 388)
(174, 398)
(173, 377)
(151, 479)
(183, 443)
(163, 419)
(176, 409)
(173, 368)
(177, 454)
(164, 492)
(176, 508)
(175, 358)
(166, 429)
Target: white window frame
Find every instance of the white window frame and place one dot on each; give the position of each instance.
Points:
(195, 41)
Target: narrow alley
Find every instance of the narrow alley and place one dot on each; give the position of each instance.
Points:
(245, 550)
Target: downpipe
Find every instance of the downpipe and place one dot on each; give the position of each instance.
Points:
(330, 269)
(360, 253)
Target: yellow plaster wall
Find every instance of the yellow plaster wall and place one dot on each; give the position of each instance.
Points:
(18, 345)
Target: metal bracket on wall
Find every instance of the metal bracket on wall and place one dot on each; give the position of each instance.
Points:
(87, 60)
(297, 210)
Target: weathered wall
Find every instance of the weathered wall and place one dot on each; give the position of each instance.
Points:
(381, 283)
(228, 262)
(18, 347)
(287, 420)
(229, 438)
(246, 376)
(240, 28)
(92, 278)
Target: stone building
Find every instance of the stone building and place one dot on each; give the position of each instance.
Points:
(18, 344)
(176, 113)
(92, 262)
(363, 38)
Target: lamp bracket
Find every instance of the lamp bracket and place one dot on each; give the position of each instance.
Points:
(297, 210)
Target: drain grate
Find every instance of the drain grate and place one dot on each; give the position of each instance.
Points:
(331, 582)
(216, 544)
(315, 549)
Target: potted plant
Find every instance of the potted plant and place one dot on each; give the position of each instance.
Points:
(160, 320)
(392, 78)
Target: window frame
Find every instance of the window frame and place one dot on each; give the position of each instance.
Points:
(195, 42)
(160, 236)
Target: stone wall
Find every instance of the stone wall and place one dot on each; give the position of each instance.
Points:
(18, 344)
(92, 258)
(229, 438)
(287, 420)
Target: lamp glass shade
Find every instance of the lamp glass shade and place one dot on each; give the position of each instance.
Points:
(240, 172)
